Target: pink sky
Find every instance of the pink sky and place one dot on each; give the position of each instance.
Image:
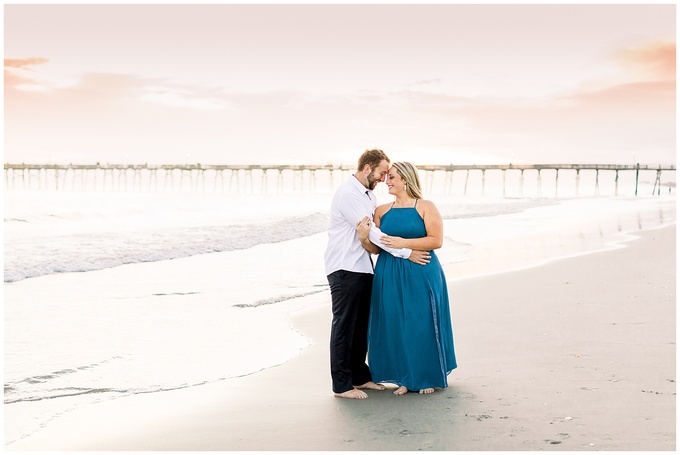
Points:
(432, 84)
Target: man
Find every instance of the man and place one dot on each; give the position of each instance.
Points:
(349, 270)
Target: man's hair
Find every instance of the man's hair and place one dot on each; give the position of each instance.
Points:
(372, 157)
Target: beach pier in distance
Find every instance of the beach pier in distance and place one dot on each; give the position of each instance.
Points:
(261, 178)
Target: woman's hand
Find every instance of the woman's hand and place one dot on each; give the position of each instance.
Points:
(364, 228)
(393, 242)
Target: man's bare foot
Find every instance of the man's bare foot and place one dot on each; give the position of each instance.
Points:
(371, 386)
(401, 391)
(426, 391)
(355, 394)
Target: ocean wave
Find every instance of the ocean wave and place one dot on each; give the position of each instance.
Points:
(453, 211)
(37, 256)
(281, 298)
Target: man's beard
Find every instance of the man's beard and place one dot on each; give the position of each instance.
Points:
(372, 182)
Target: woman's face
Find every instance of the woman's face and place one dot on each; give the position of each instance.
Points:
(394, 182)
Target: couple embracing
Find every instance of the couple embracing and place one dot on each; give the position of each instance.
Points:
(397, 311)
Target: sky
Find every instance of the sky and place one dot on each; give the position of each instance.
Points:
(320, 83)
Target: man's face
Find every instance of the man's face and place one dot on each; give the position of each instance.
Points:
(378, 175)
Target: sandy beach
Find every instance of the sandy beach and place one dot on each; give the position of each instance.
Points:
(576, 354)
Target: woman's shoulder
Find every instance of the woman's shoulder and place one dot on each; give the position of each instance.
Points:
(383, 208)
(426, 203)
(426, 206)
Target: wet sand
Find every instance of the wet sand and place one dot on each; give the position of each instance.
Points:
(576, 354)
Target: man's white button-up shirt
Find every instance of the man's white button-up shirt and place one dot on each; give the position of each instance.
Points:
(351, 203)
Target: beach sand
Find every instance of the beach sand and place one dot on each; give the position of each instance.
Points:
(576, 354)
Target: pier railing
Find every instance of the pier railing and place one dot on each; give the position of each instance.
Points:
(241, 178)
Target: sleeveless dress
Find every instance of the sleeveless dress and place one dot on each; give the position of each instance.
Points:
(410, 338)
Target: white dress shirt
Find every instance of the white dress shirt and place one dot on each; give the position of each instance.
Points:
(351, 203)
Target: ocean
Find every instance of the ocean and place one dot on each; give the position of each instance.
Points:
(119, 291)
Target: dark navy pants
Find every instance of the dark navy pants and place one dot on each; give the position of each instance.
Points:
(351, 299)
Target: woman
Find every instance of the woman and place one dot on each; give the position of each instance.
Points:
(410, 339)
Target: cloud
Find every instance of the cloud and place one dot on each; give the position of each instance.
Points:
(19, 74)
(91, 87)
(655, 61)
(626, 95)
(600, 120)
(13, 80)
(183, 96)
(425, 82)
(24, 63)
(153, 91)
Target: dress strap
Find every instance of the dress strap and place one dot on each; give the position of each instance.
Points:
(416, 204)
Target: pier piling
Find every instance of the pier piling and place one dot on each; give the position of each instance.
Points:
(144, 177)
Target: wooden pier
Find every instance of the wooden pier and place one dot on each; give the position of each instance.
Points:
(241, 178)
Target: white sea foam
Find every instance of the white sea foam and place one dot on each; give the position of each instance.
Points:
(54, 232)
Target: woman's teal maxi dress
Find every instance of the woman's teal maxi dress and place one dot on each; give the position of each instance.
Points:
(410, 338)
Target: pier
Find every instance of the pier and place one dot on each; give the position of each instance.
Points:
(506, 179)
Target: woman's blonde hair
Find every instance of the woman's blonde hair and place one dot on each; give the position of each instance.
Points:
(409, 173)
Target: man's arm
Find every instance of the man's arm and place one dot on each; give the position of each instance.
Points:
(374, 236)
(366, 243)
(364, 228)
(370, 234)
(351, 209)
(419, 257)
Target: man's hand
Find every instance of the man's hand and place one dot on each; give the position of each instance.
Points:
(419, 257)
(364, 228)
